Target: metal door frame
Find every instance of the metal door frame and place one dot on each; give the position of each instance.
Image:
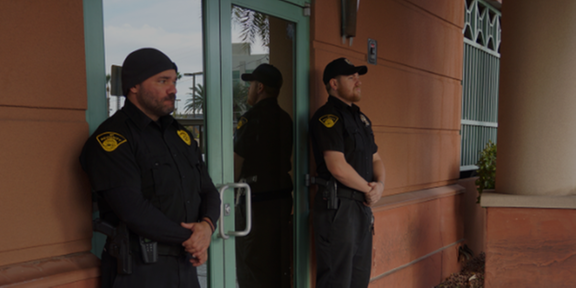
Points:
(218, 71)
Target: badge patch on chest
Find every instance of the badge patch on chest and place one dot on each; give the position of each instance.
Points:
(241, 122)
(365, 120)
(328, 120)
(184, 136)
(110, 140)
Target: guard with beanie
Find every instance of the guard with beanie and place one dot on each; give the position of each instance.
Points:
(350, 179)
(262, 158)
(157, 202)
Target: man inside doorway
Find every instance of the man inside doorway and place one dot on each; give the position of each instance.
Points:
(262, 158)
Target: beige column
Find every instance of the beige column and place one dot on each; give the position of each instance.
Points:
(530, 219)
(537, 106)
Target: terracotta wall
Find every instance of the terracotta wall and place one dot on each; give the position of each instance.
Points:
(413, 97)
(44, 200)
(473, 215)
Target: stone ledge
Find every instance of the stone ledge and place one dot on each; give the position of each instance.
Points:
(51, 271)
(409, 198)
(493, 199)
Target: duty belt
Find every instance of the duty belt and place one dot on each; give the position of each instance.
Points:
(348, 193)
(342, 192)
(163, 249)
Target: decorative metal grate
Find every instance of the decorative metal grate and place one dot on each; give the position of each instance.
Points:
(482, 37)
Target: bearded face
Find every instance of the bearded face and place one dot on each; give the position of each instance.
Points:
(348, 87)
(156, 95)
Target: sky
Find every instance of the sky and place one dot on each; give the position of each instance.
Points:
(172, 26)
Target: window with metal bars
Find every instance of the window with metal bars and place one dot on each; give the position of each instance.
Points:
(482, 36)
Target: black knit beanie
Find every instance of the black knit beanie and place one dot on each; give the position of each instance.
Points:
(143, 64)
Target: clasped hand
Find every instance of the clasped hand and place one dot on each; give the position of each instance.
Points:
(198, 243)
(374, 194)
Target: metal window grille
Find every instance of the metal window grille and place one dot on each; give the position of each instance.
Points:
(482, 36)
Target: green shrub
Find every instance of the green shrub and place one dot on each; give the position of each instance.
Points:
(486, 169)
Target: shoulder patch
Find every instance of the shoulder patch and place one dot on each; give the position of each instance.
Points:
(110, 140)
(241, 122)
(184, 136)
(328, 120)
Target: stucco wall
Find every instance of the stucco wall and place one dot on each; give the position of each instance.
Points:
(44, 200)
(413, 97)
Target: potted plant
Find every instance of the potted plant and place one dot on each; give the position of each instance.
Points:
(486, 169)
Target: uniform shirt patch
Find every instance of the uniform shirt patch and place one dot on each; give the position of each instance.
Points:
(184, 136)
(363, 118)
(110, 140)
(241, 122)
(328, 120)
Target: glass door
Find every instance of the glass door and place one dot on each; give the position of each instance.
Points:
(256, 138)
(262, 92)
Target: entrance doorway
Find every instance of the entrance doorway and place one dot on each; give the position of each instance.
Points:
(208, 101)
(278, 35)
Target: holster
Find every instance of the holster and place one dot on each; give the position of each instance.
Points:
(118, 243)
(330, 192)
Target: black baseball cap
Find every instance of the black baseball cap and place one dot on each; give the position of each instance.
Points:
(266, 74)
(143, 64)
(341, 66)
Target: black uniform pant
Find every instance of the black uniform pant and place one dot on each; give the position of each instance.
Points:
(168, 271)
(343, 242)
(263, 256)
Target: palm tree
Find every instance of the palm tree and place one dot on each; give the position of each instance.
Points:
(253, 24)
(196, 102)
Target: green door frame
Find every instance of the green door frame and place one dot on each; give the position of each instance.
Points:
(218, 71)
(97, 110)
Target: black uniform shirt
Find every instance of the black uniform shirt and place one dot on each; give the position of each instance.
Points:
(337, 126)
(263, 137)
(131, 152)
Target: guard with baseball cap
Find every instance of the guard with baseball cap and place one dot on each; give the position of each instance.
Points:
(351, 176)
(148, 174)
(262, 158)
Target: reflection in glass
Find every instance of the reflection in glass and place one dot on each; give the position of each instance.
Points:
(262, 91)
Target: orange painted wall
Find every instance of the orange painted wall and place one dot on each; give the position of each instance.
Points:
(413, 97)
(423, 231)
(44, 198)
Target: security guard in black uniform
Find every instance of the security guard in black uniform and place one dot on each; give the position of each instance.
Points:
(149, 173)
(262, 158)
(351, 177)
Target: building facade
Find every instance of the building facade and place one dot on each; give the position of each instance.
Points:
(52, 81)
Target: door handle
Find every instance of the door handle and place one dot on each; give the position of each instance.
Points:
(244, 232)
